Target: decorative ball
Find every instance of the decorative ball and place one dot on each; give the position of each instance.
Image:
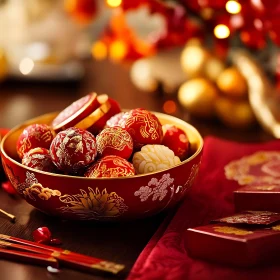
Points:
(110, 166)
(176, 140)
(40, 159)
(144, 127)
(193, 60)
(198, 97)
(114, 141)
(117, 120)
(234, 113)
(153, 158)
(3, 65)
(33, 136)
(232, 83)
(213, 68)
(76, 112)
(73, 149)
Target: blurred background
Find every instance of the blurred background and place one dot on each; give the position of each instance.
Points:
(215, 63)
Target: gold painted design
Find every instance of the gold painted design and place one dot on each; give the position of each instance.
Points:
(52, 259)
(122, 168)
(258, 168)
(148, 125)
(5, 244)
(232, 230)
(108, 266)
(118, 139)
(94, 205)
(38, 190)
(55, 254)
(66, 252)
(277, 228)
(265, 188)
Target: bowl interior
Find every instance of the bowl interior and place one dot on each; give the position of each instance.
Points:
(8, 145)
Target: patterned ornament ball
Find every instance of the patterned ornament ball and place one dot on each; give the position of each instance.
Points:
(114, 141)
(117, 120)
(110, 167)
(73, 149)
(40, 159)
(33, 136)
(144, 127)
(176, 140)
(154, 158)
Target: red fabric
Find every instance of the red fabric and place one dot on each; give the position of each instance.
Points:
(211, 197)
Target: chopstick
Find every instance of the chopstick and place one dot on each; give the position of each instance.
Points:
(10, 216)
(28, 257)
(68, 258)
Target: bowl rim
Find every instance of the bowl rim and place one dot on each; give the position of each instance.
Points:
(158, 114)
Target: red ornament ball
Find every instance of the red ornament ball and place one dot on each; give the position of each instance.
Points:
(73, 149)
(33, 136)
(110, 166)
(117, 120)
(144, 127)
(114, 141)
(176, 140)
(40, 159)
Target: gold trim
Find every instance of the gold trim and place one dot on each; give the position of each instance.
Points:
(61, 125)
(108, 266)
(232, 230)
(5, 237)
(55, 254)
(277, 228)
(66, 252)
(95, 116)
(52, 259)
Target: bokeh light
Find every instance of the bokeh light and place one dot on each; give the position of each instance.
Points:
(114, 3)
(170, 107)
(233, 7)
(26, 65)
(221, 31)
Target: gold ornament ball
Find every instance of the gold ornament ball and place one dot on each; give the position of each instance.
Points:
(232, 84)
(198, 97)
(3, 65)
(193, 59)
(213, 68)
(234, 113)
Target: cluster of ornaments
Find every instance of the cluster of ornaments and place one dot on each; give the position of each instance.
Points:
(213, 88)
(93, 138)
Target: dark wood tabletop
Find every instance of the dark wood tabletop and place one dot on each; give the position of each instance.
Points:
(118, 242)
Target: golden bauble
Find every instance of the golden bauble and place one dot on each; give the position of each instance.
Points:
(234, 113)
(193, 59)
(213, 68)
(198, 97)
(232, 83)
(3, 65)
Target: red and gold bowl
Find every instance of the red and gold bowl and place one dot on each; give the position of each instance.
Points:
(104, 199)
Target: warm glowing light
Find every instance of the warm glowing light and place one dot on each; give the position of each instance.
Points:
(114, 3)
(26, 66)
(169, 107)
(233, 7)
(118, 50)
(221, 31)
(99, 50)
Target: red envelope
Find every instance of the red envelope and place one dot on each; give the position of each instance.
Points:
(165, 256)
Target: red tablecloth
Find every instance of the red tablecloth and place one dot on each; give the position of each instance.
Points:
(211, 197)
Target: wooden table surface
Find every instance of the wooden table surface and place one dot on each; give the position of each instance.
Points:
(119, 242)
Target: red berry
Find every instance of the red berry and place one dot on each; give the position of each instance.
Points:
(33, 136)
(42, 235)
(110, 166)
(73, 149)
(114, 141)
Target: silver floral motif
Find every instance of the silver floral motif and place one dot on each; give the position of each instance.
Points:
(158, 189)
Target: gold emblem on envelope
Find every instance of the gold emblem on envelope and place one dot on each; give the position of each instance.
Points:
(261, 168)
(94, 204)
(232, 230)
